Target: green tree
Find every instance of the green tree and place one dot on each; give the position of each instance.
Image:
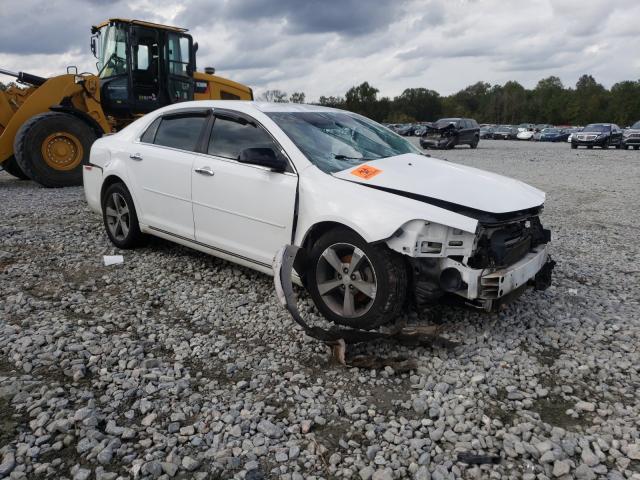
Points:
(363, 99)
(419, 104)
(277, 96)
(624, 104)
(549, 102)
(297, 97)
(589, 101)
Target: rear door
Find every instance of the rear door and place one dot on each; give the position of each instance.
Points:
(160, 170)
(243, 210)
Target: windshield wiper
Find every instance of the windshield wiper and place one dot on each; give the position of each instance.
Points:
(345, 157)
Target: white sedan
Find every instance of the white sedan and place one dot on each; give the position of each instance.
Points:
(380, 224)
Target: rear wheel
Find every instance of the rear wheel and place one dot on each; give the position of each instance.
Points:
(12, 168)
(120, 218)
(52, 147)
(354, 283)
(636, 147)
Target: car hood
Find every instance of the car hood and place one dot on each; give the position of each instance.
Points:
(447, 182)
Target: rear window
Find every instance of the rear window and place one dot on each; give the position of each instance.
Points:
(180, 132)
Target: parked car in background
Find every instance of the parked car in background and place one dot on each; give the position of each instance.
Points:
(505, 132)
(553, 135)
(525, 134)
(486, 132)
(603, 135)
(572, 131)
(240, 180)
(419, 130)
(631, 136)
(449, 132)
(525, 127)
(404, 130)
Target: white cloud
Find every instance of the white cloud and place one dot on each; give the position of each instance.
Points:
(294, 45)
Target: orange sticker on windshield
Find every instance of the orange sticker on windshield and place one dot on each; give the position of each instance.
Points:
(366, 171)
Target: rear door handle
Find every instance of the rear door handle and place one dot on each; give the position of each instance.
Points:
(135, 156)
(205, 171)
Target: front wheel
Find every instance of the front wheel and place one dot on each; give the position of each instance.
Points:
(474, 142)
(574, 146)
(354, 283)
(120, 218)
(52, 147)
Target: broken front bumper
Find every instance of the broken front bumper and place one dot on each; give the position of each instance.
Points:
(485, 288)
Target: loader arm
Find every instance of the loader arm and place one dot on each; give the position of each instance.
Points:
(84, 97)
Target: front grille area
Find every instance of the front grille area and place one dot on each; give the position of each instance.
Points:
(587, 137)
(503, 245)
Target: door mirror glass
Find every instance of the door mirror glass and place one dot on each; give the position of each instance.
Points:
(265, 157)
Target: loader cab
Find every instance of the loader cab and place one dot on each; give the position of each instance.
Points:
(142, 66)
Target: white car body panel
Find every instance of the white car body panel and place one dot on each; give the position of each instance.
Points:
(246, 213)
(162, 181)
(244, 199)
(435, 178)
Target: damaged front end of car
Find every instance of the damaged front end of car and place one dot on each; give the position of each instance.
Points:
(439, 137)
(484, 269)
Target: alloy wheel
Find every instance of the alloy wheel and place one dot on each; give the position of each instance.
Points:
(346, 280)
(118, 218)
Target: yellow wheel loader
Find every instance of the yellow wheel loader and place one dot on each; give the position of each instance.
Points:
(47, 127)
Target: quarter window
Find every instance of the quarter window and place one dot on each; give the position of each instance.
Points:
(230, 136)
(150, 132)
(180, 131)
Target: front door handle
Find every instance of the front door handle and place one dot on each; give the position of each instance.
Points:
(135, 156)
(205, 171)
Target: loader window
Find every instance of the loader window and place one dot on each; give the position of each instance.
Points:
(113, 54)
(178, 55)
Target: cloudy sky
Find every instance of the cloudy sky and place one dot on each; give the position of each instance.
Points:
(323, 47)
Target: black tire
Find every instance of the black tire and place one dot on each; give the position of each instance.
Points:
(605, 145)
(133, 237)
(589, 147)
(574, 146)
(625, 147)
(474, 142)
(12, 168)
(28, 148)
(389, 273)
(636, 147)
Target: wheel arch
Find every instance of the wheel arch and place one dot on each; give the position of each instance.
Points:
(79, 114)
(110, 180)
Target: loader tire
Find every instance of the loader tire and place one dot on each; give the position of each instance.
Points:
(52, 147)
(12, 168)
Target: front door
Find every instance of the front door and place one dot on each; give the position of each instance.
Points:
(244, 210)
(160, 171)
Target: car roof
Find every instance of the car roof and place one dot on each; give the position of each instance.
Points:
(251, 105)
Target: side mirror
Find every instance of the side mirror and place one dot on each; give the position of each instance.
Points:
(265, 157)
(94, 50)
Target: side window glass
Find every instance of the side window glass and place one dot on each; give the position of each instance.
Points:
(180, 131)
(150, 132)
(142, 58)
(229, 137)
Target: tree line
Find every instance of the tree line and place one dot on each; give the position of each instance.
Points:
(549, 102)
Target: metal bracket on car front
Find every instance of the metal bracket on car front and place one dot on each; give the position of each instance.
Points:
(338, 338)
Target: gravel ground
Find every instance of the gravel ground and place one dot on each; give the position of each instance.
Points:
(180, 365)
